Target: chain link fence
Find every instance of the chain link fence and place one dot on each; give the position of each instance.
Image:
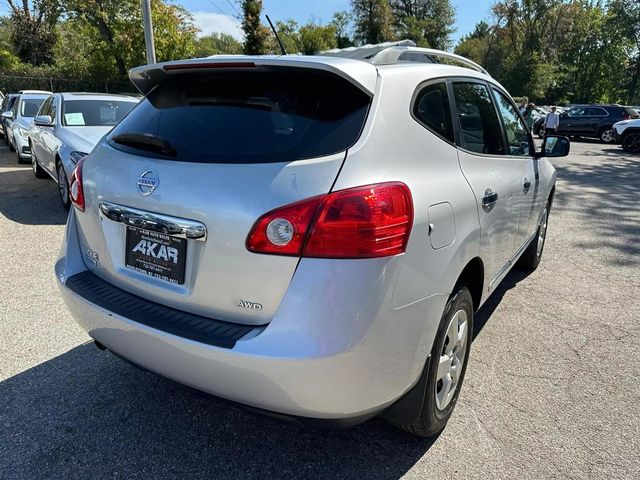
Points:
(15, 83)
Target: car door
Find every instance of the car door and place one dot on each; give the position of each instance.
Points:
(36, 134)
(521, 149)
(9, 123)
(575, 122)
(49, 141)
(494, 177)
(597, 117)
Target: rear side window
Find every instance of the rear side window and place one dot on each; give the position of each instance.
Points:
(481, 130)
(257, 116)
(431, 109)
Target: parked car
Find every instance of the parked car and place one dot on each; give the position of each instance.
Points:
(309, 236)
(627, 134)
(591, 121)
(67, 128)
(6, 106)
(18, 120)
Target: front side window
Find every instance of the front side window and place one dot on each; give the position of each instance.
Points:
(578, 112)
(481, 130)
(45, 109)
(94, 113)
(517, 135)
(53, 108)
(431, 109)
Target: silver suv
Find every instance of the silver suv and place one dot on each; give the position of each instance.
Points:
(307, 236)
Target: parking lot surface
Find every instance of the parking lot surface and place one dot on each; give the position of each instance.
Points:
(551, 390)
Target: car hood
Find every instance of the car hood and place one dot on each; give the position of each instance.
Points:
(628, 123)
(82, 139)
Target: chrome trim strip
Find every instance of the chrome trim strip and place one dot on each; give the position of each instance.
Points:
(174, 226)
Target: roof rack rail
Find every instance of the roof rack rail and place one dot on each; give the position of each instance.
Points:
(390, 53)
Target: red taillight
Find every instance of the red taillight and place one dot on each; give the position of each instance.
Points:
(298, 215)
(76, 192)
(363, 222)
(626, 116)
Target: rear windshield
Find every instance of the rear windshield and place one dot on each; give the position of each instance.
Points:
(29, 106)
(94, 113)
(258, 116)
(632, 113)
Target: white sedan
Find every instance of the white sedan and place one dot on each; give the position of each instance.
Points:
(66, 129)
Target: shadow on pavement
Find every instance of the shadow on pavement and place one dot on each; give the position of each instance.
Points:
(28, 200)
(602, 194)
(86, 414)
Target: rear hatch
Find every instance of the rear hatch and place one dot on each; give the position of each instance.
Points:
(173, 191)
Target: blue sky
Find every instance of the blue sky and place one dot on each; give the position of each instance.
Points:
(218, 15)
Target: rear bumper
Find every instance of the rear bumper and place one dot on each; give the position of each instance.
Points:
(335, 350)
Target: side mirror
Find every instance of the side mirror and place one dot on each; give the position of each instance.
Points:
(43, 121)
(555, 146)
(8, 115)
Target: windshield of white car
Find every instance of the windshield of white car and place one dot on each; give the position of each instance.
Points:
(94, 113)
(29, 106)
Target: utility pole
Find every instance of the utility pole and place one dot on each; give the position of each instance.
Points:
(148, 32)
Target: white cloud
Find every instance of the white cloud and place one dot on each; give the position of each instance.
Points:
(209, 22)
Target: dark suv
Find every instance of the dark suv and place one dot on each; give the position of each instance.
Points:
(594, 121)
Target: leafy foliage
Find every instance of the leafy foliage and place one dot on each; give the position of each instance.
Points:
(555, 51)
(373, 21)
(429, 23)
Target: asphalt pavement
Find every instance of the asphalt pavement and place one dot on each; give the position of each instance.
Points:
(551, 391)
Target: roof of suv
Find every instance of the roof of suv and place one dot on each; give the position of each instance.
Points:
(362, 72)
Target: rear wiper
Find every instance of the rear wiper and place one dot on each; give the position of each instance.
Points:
(146, 141)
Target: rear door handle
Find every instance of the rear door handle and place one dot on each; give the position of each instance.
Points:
(526, 184)
(489, 200)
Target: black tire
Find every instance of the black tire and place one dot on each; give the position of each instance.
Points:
(11, 149)
(606, 135)
(433, 419)
(38, 171)
(631, 142)
(531, 257)
(63, 193)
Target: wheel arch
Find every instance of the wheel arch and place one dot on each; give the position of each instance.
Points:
(472, 277)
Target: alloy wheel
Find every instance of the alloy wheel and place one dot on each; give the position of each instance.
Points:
(542, 232)
(451, 359)
(607, 136)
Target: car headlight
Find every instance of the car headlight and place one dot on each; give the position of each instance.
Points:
(77, 156)
(23, 132)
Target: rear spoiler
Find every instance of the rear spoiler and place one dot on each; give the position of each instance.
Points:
(361, 74)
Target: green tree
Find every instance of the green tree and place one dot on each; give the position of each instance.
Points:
(373, 21)
(255, 33)
(316, 38)
(115, 26)
(217, 44)
(429, 23)
(340, 22)
(625, 16)
(33, 31)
